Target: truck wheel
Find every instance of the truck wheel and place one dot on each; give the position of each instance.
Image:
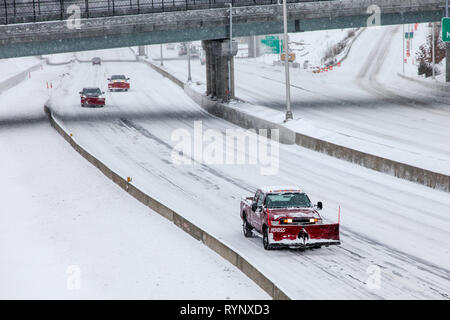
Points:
(247, 228)
(266, 244)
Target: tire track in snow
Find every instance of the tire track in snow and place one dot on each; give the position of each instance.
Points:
(367, 78)
(356, 252)
(443, 273)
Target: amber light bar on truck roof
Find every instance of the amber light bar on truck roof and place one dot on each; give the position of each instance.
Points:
(290, 220)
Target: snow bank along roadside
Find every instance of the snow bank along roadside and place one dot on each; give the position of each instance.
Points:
(210, 241)
(19, 77)
(427, 83)
(61, 219)
(348, 47)
(288, 136)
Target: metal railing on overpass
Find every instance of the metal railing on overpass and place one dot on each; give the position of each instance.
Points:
(23, 11)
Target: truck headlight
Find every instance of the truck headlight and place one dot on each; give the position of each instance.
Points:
(287, 220)
(313, 220)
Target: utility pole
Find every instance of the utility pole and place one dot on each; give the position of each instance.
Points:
(162, 62)
(231, 50)
(403, 42)
(286, 65)
(433, 51)
(411, 47)
(188, 44)
(447, 50)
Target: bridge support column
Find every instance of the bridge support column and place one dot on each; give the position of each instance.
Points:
(254, 46)
(141, 51)
(206, 44)
(219, 64)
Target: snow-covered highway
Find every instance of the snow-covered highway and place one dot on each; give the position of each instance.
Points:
(396, 227)
(67, 232)
(363, 105)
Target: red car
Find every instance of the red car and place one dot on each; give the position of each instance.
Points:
(286, 218)
(118, 82)
(92, 97)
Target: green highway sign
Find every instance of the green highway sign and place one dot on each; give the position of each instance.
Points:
(274, 44)
(445, 29)
(409, 35)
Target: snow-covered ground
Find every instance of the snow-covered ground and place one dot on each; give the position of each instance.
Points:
(363, 105)
(387, 223)
(60, 218)
(392, 230)
(310, 47)
(13, 66)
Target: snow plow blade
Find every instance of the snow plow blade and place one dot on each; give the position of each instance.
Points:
(325, 232)
(307, 236)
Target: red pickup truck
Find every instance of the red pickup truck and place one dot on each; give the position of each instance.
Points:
(286, 217)
(92, 97)
(118, 82)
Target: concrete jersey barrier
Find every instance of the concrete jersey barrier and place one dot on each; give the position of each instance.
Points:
(209, 240)
(400, 170)
(18, 78)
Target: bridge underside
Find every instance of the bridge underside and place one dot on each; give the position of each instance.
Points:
(55, 37)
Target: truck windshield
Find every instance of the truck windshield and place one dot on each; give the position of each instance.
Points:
(92, 91)
(288, 200)
(118, 77)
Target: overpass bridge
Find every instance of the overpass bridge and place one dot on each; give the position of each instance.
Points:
(36, 27)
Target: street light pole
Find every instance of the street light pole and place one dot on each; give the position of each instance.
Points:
(231, 50)
(403, 53)
(447, 51)
(286, 65)
(433, 51)
(189, 60)
(411, 47)
(162, 62)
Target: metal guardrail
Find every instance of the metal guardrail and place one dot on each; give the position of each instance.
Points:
(23, 11)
